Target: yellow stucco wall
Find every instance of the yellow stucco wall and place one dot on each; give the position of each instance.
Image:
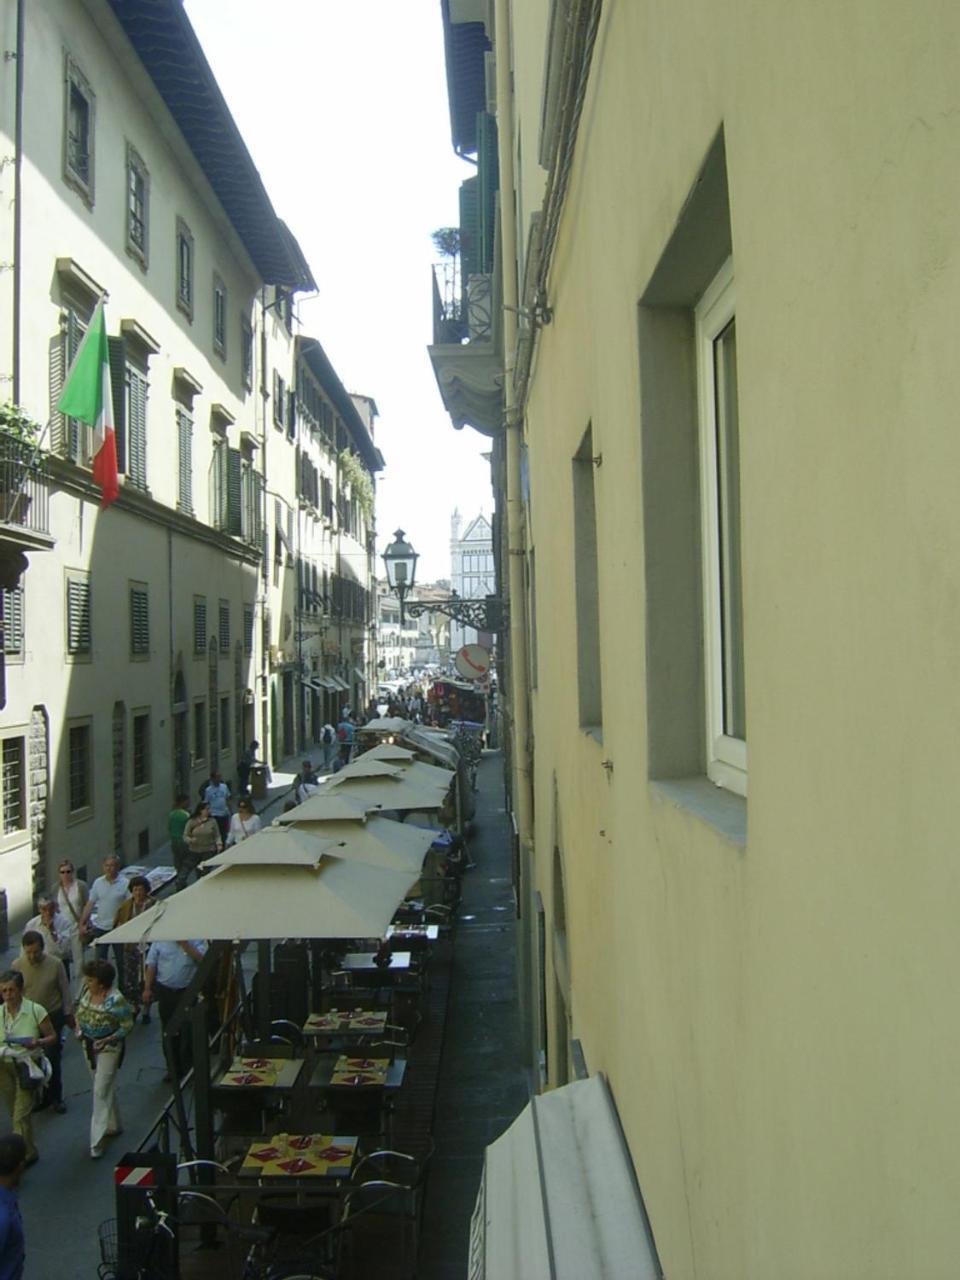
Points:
(775, 1021)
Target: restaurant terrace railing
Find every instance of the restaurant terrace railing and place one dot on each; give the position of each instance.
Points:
(24, 487)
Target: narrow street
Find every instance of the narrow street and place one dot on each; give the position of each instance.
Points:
(480, 1086)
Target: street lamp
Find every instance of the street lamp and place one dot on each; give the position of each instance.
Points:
(400, 562)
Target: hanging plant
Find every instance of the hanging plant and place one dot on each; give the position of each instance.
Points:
(16, 423)
(353, 472)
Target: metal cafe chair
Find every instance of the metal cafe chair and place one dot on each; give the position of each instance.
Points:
(381, 1213)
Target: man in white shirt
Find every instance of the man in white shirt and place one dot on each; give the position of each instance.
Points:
(54, 928)
(168, 972)
(217, 795)
(106, 894)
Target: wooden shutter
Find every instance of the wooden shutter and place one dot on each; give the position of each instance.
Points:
(136, 428)
(118, 385)
(78, 615)
(185, 460)
(488, 175)
(234, 492)
(469, 228)
(75, 433)
(224, 636)
(13, 622)
(199, 625)
(139, 620)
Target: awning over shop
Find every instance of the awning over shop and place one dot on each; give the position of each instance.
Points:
(361, 678)
(559, 1199)
(337, 683)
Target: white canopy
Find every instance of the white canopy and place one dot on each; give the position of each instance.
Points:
(340, 898)
(404, 760)
(389, 792)
(559, 1199)
(325, 806)
(277, 846)
(378, 840)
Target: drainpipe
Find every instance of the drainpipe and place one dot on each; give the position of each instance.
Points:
(265, 576)
(17, 199)
(516, 551)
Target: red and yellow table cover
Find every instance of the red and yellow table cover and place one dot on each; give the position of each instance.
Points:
(301, 1155)
(365, 1021)
(357, 1072)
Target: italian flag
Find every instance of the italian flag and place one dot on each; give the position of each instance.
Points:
(88, 396)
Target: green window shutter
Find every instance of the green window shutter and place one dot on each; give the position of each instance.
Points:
(118, 385)
(218, 487)
(199, 624)
(136, 428)
(139, 620)
(469, 228)
(488, 177)
(13, 621)
(78, 616)
(185, 461)
(75, 438)
(234, 492)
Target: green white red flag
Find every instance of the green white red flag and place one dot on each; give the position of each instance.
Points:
(88, 397)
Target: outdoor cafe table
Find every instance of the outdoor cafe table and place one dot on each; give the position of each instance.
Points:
(352, 1072)
(362, 962)
(260, 1073)
(300, 1155)
(346, 1022)
(413, 932)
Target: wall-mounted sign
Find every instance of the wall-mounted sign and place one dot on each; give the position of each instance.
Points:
(472, 661)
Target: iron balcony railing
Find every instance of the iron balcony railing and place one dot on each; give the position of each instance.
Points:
(24, 490)
(449, 311)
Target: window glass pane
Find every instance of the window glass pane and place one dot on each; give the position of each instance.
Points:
(728, 516)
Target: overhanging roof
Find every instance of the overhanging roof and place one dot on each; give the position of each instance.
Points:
(166, 44)
(319, 365)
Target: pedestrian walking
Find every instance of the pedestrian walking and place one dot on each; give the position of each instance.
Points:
(169, 971)
(331, 747)
(13, 1251)
(202, 837)
(72, 895)
(244, 823)
(177, 819)
(106, 894)
(45, 983)
(248, 758)
(25, 1031)
(217, 795)
(52, 926)
(104, 1019)
(345, 737)
(131, 973)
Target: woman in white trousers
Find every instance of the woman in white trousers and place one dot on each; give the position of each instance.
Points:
(104, 1019)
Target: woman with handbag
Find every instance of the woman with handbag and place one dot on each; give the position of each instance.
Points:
(25, 1031)
(244, 823)
(104, 1019)
(202, 837)
(72, 895)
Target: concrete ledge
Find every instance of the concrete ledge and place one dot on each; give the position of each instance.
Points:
(722, 810)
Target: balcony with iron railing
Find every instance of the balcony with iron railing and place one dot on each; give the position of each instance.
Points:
(466, 363)
(24, 502)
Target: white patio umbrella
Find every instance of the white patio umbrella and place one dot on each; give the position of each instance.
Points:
(340, 898)
(276, 846)
(391, 792)
(376, 840)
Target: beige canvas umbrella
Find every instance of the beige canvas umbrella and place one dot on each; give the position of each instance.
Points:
(366, 767)
(376, 840)
(405, 760)
(325, 806)
(340, 898)
(392, 792)
(276, 846)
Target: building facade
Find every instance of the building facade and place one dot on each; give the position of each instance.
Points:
(142, 643)
(472, 571)
(729, 275)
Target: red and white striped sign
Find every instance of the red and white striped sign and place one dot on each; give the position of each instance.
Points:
(126, 1175)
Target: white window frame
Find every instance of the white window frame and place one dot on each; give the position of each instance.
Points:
(726, 756)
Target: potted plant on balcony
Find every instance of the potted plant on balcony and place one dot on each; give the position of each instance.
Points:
(19, 434)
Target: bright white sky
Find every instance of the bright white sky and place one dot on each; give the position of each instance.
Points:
(342, 104)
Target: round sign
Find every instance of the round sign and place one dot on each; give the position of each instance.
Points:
(472, 661)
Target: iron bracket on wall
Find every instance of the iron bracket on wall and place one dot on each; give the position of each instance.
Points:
(489, 613)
